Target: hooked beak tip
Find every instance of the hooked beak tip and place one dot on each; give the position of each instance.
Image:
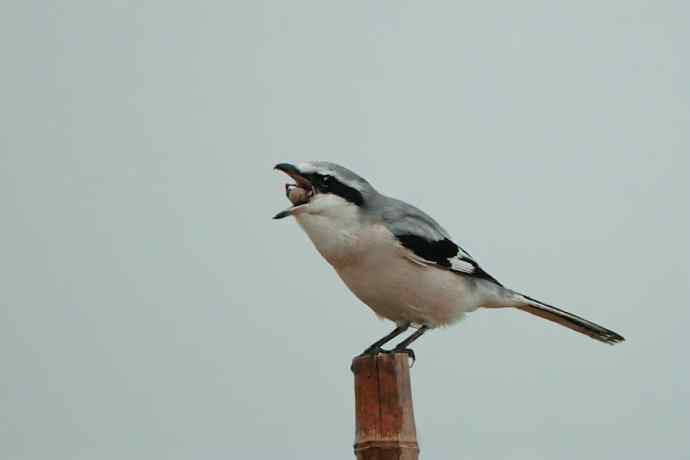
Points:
(286, 167)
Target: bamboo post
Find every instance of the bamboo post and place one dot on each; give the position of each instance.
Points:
(384, 421)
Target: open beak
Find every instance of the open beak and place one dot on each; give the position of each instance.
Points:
(298, 193)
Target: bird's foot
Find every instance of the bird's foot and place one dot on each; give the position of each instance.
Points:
(373, 351)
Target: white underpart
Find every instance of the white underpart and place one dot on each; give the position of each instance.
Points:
(385, 275)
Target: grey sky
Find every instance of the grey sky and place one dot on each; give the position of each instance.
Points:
(150, 308)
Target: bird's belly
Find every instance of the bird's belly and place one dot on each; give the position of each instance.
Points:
(403, 291)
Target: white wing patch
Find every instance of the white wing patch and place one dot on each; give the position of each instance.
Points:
(463, 266)
(456, 264)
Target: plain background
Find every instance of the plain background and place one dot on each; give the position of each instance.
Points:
(151, 309)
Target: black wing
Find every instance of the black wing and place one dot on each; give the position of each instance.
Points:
(445, 253)
(427, 241)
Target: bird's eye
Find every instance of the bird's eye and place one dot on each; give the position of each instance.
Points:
(326, 180)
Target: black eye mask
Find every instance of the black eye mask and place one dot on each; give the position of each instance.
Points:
(325, 183)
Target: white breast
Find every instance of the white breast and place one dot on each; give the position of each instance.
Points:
(390, 283)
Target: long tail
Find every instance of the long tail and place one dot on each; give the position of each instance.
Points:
(570, 321)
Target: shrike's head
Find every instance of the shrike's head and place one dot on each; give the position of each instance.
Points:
(322, 187)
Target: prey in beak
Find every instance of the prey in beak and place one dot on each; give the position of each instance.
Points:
(298, 193)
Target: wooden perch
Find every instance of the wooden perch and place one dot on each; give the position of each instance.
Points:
(384, 421)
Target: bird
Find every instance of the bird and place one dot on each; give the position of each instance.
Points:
(399, 261)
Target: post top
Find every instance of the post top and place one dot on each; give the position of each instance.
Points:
(383, 407)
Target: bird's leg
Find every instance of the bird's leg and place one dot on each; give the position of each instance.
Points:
(376, 346)
(402, 346)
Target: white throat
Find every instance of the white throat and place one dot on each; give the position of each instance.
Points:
(333, 225)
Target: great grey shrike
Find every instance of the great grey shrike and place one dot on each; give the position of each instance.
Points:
(398, 260)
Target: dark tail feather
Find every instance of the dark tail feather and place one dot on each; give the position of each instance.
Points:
(570, 321)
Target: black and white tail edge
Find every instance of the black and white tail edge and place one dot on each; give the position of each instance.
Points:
(570, 321)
